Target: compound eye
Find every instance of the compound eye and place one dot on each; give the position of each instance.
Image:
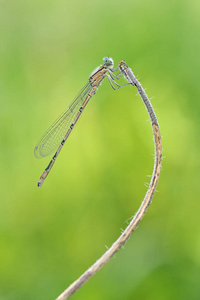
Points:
(108, 61)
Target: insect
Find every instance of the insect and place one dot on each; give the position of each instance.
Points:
(60, 130)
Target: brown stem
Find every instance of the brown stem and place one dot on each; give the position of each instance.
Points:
(128, 74)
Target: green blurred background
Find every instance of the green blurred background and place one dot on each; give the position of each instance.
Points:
(50, 236)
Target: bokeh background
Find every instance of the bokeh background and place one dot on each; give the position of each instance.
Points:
(50, 236)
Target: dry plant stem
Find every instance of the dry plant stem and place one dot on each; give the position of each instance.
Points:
(128, 74)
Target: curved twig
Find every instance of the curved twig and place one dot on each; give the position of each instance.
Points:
(128, 74)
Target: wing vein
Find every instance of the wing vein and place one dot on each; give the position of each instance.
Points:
(54, 135)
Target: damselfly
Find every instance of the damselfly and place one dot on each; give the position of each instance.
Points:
(59, 131)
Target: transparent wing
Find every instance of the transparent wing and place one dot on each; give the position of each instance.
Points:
(56, 132)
